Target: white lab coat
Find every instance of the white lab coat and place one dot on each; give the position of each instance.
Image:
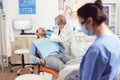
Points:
(63, 37)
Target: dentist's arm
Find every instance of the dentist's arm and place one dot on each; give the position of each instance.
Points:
(65, 34)
(53, 36)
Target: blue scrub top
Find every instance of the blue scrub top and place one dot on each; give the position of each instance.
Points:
(102, 60)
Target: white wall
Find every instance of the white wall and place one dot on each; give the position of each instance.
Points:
(45, 13)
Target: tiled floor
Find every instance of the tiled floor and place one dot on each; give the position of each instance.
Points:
(7, 75)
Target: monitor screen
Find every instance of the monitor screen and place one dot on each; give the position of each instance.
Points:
(22, 24)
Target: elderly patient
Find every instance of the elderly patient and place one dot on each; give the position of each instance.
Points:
(48, 50)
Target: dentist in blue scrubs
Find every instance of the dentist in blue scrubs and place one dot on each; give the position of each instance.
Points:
(102, 59)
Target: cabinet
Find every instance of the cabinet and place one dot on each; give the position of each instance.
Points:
(21, 42)
(111, 11)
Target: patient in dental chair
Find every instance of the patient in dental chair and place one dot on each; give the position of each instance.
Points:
(48, 50)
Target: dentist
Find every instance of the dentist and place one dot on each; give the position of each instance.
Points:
(62, 32)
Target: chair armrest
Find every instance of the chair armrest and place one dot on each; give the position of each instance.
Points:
(49, 70)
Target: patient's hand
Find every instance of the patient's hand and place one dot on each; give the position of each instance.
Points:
(42, 61)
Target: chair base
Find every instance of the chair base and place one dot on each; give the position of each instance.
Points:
(20, 68)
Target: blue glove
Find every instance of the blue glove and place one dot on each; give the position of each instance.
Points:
(48, 33)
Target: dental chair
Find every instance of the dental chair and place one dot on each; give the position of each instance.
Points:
(43, 68)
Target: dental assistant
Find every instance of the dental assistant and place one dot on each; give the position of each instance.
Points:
(102, 59)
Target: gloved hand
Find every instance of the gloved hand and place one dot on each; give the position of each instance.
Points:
(48, 33)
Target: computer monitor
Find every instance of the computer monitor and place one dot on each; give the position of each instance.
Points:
(22, 24)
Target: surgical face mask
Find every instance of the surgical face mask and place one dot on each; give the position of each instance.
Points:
(86, 31)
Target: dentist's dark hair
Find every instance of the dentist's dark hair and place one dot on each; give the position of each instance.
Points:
(94, 10)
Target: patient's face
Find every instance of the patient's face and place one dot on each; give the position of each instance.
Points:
(41, 32)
